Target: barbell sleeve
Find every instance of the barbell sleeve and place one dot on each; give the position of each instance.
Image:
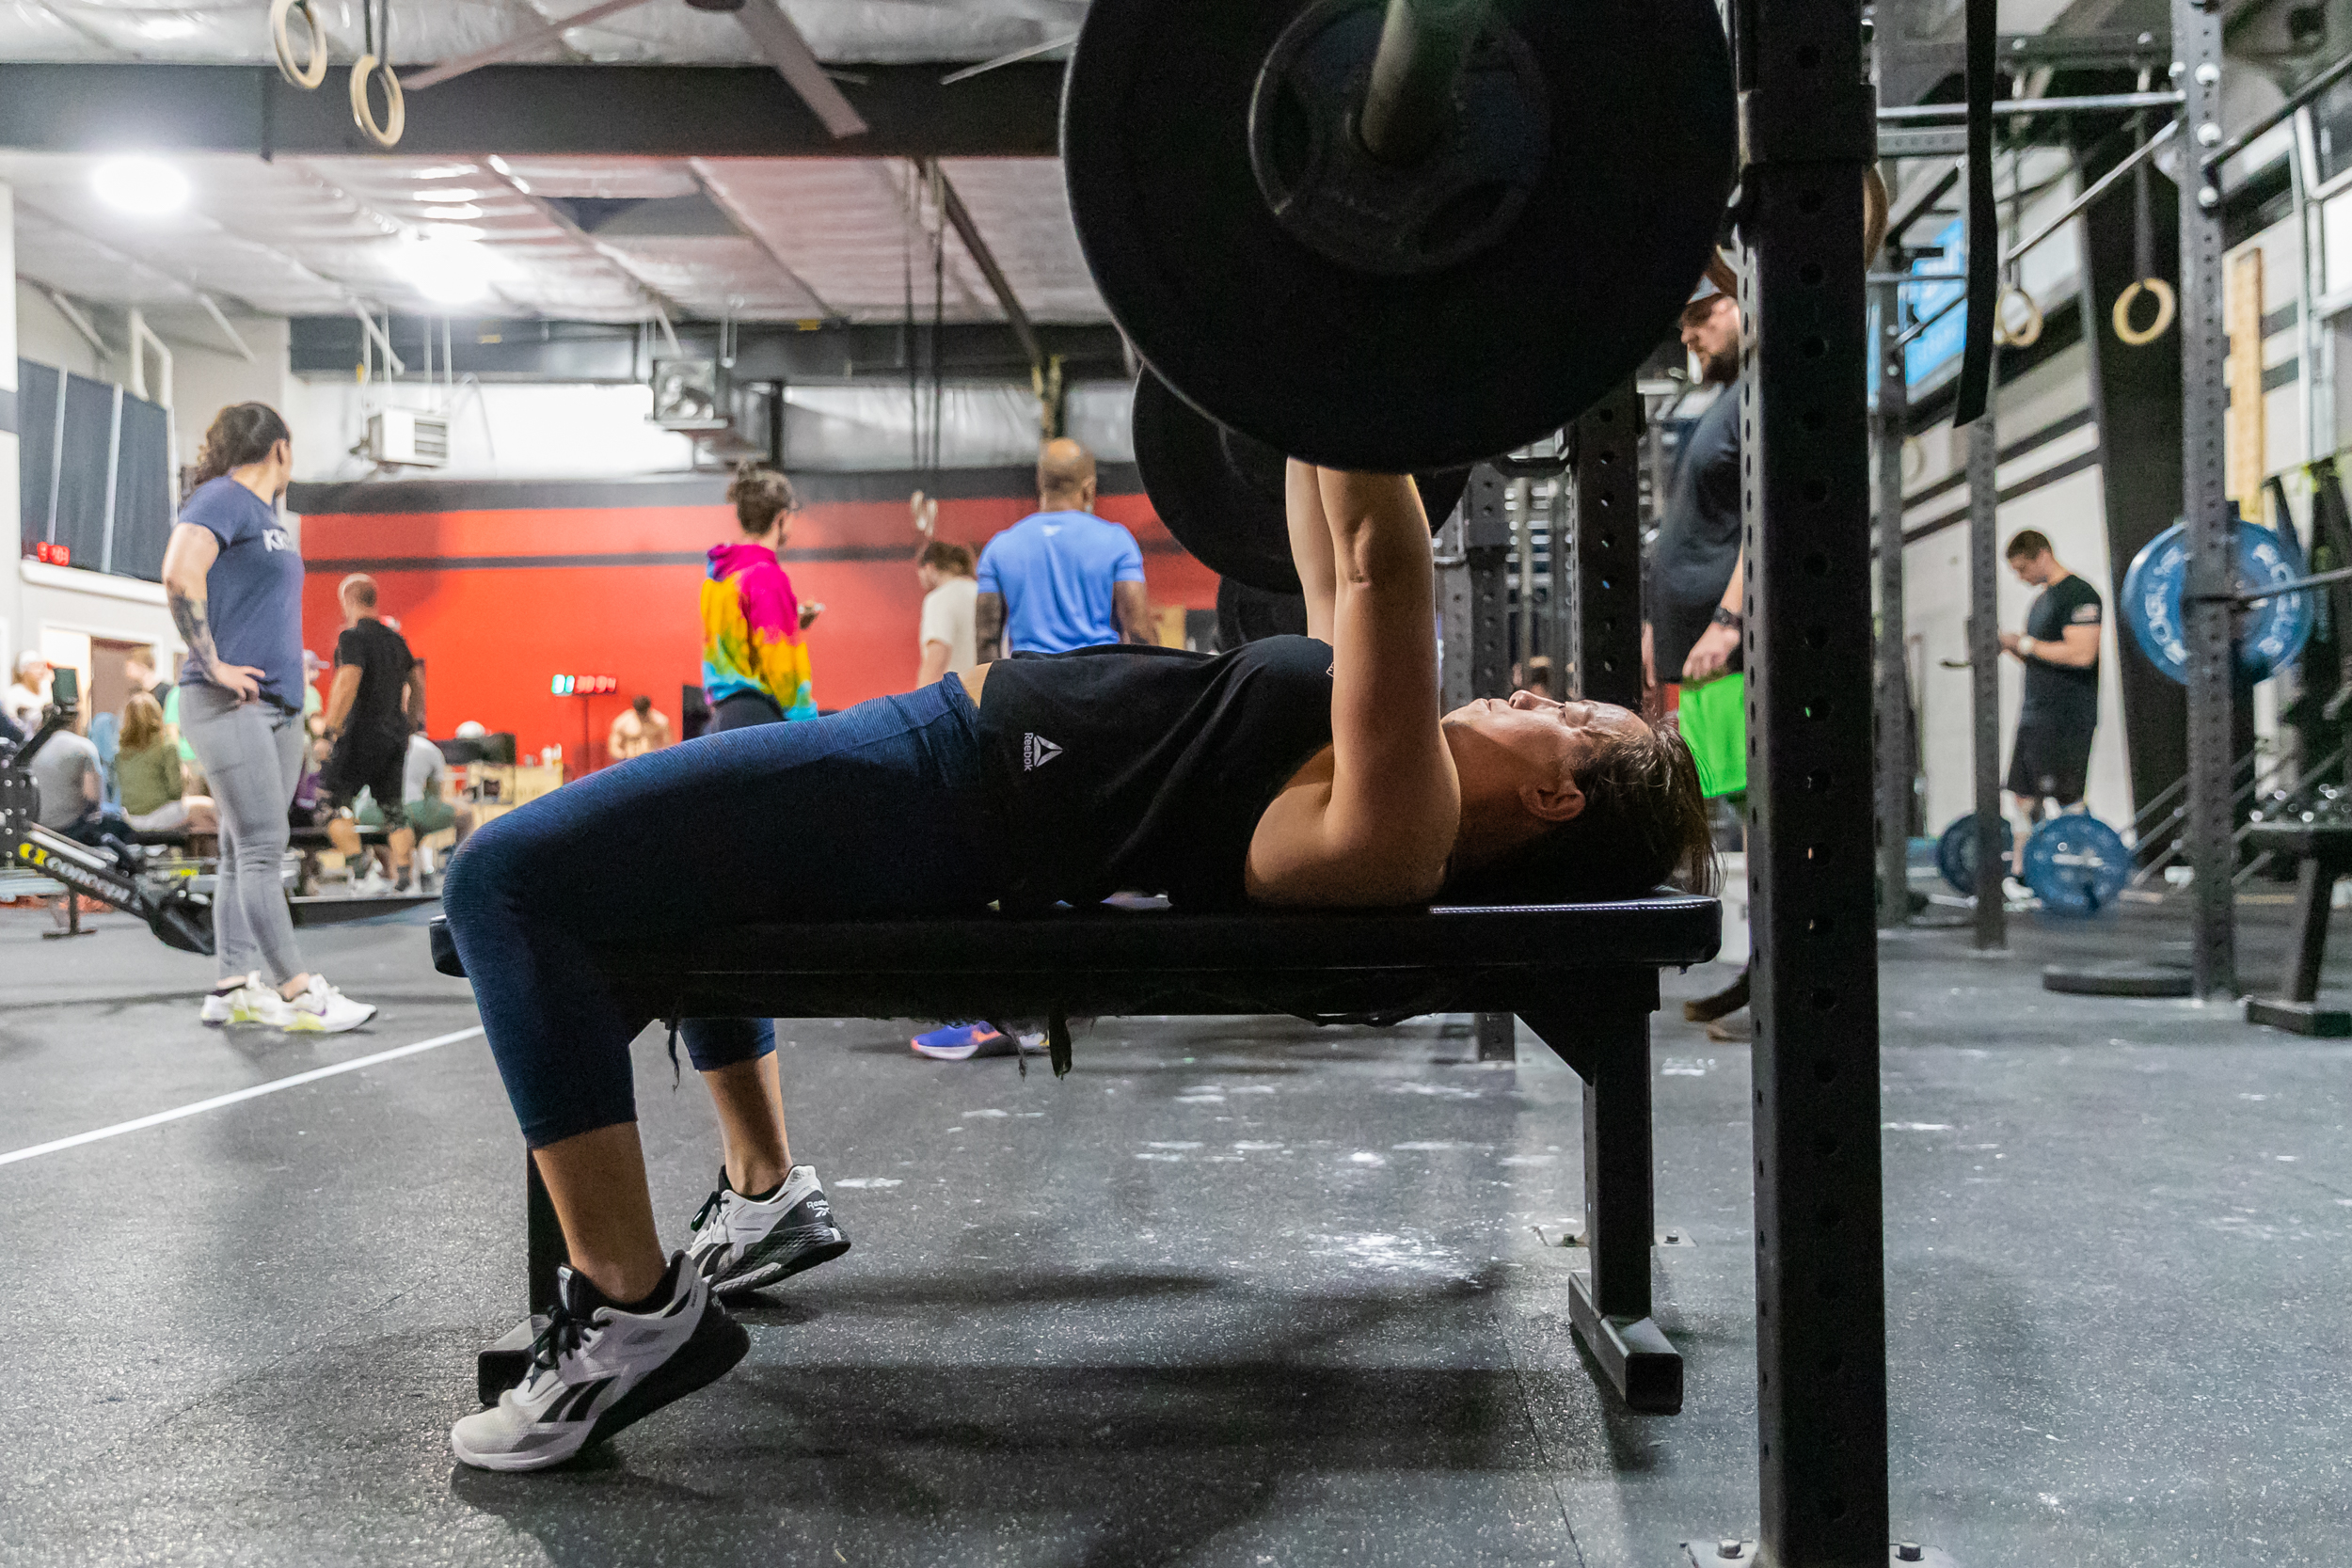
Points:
(1410, 101)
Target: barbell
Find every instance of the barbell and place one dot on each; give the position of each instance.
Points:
(1403, 236)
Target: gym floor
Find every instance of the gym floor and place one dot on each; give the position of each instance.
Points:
(1238, 1292)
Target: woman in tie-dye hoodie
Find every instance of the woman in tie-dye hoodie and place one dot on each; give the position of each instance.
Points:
(754, 655)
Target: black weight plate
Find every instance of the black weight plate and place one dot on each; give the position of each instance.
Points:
(1220, 493)
(2119, 979)
(1393, 373)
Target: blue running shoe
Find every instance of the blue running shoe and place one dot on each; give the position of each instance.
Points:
(962, 1042)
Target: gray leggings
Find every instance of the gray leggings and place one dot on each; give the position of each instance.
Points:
(252, 758)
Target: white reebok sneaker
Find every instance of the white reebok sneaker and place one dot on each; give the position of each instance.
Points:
(741, 1244)
(595, 1369)
(320, 1009)
(220, 1007)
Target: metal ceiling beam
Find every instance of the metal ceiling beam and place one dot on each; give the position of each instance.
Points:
(960, 218)
(187, 281)
(79, 322)
(902, 187)
(394, 229)
(663, 306)
(533, 110)
(715, 189)
(235, 339)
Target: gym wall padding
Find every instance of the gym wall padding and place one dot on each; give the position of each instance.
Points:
(497, 601)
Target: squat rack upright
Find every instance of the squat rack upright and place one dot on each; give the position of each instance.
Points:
(1807, 134)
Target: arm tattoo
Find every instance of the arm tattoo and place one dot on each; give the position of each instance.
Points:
(188, 614)
(988, 627)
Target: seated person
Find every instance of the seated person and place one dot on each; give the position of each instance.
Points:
(147, 775)
(1293, 772)
(424, 790)
(73, 791)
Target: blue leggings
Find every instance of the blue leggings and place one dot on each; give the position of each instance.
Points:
(717, 1042)
(875, 811)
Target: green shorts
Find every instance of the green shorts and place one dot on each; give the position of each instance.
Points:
(428, 816)
(1714, 722)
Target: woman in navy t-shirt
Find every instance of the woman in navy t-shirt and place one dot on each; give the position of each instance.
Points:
(234, 579)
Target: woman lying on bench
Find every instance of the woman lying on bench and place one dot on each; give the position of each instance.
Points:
(1305, 771)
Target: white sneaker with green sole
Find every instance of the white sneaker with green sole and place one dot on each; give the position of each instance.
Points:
(220, 1004)
(319, 1008)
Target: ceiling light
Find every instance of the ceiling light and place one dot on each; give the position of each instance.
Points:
(142, 185)
(448, 272)
(169, 26)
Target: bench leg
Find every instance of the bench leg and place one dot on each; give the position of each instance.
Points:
(1611, 1305)
(2298, 1009)
(1497, 1034)
(501, 1365)
(2315, 895)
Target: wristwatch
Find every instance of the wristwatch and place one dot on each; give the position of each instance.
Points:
(1726, 618)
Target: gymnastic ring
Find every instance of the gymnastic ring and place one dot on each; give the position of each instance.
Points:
(2124, 327)
(2016, 336)
(395, 111)
(310, 75)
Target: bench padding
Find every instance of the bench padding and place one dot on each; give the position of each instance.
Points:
(1111, 961)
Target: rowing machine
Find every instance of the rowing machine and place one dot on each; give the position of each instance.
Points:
(179, 916)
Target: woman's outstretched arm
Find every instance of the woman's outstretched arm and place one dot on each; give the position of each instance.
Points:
(1379, 828)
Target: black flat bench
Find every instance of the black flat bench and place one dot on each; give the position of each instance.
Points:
(1583, 976)
(2324, 850)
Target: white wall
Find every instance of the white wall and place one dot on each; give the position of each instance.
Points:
(496, 432)
(63, 607)
(58, 609)
(45, 336)
(604, 432)
(207, 375)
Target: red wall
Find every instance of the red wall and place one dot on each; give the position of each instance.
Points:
(492, 634)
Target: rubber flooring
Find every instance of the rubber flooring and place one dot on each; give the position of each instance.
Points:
(1237, 1292)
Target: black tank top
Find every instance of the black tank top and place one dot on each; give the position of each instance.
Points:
(1145, 769)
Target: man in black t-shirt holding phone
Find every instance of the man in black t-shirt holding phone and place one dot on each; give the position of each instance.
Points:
(2051, 759)
(369, 717)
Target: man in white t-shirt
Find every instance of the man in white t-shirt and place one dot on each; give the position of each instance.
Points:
(28, 694)
(950, 596)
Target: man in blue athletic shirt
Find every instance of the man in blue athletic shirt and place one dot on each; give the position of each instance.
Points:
(1061, 577)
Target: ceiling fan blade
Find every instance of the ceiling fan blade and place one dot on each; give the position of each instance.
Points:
(521, 43)
(773, 33)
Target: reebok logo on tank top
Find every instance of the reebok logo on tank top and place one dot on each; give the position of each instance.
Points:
(1036, 752)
